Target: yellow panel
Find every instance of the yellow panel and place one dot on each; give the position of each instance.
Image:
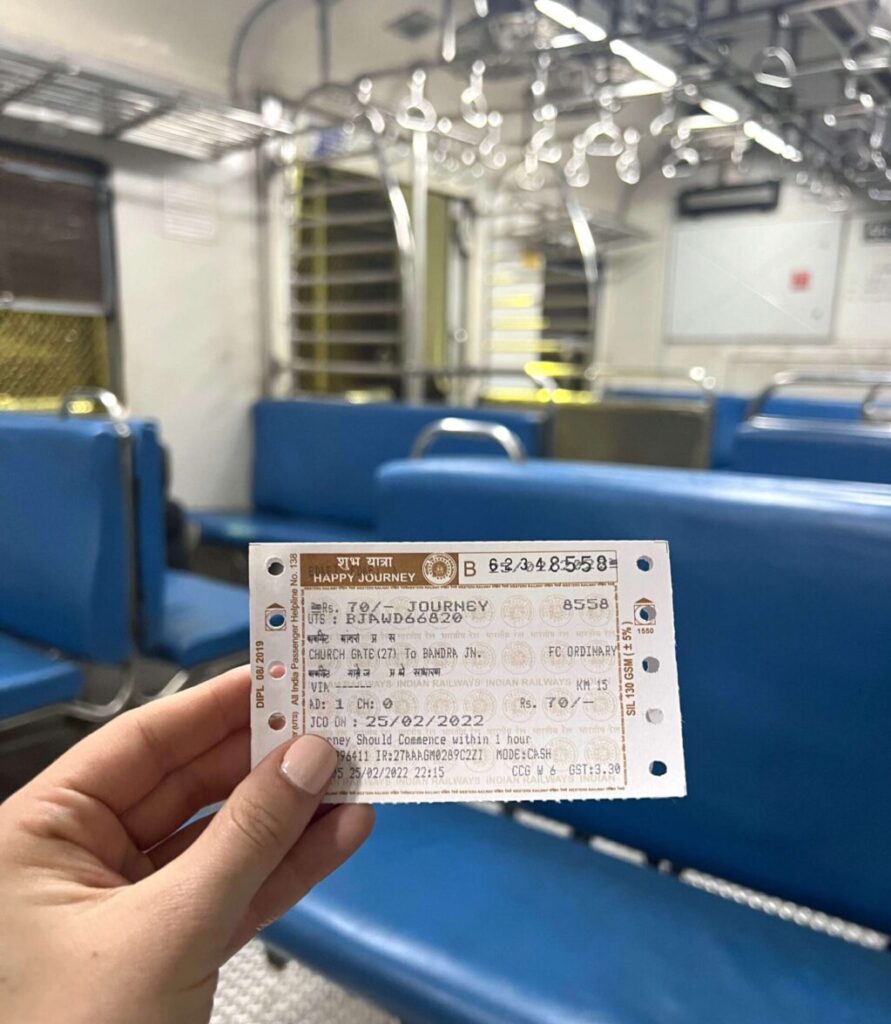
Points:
(43, 356)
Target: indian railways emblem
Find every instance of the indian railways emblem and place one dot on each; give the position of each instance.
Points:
(439, 569)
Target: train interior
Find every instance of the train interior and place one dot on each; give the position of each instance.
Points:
(404, 270)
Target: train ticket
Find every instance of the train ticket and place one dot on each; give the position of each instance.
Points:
(471, 671)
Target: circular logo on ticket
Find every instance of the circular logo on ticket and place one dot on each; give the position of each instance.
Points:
(600, 706)
(439, 569)
(479, 613)
(559, 705)
(518, 657)
(597, 610)
(601, 751)
(517, 611)
(563, 751)
(554, 612)
(480, 702)
(518, 706)
(479, 658)
(441, 702)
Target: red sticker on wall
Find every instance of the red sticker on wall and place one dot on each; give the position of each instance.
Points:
(800, 280)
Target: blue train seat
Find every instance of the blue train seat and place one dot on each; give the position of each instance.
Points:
(780, 598)
(448, 915)
(730, 411)
(184, 618)
(820, 450)
(314, 465)
(31, 678)
(65, 584)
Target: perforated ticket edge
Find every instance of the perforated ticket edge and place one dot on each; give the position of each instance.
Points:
(642, 742)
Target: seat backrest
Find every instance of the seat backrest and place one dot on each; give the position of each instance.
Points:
(730, 411)
(655, 431)
(819, 450)
(65, 547)
(148, 505)
(781, 591)
(318, 458)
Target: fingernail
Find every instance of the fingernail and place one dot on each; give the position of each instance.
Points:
(309, 763)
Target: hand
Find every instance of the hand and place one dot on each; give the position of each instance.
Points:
(108, 913)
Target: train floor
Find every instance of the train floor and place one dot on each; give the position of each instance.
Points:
(253, 991)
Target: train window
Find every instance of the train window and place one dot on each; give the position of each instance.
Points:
(56, 287)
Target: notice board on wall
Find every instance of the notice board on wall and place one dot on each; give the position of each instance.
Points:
(865, 287)
(749, 278)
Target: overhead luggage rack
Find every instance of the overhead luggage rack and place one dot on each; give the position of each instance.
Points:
(106, 105)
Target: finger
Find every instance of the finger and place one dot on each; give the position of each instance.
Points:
(122, 762)
(208, 779)
(322, 848)
(256, 827)
(166, 850)
(178, 843)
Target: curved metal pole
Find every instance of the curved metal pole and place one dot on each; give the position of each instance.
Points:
(244, 30)
(871, 404)
(402, 223)
(457, 426)
(584, 238)
(80, 709)
(103, 712)
(241, 37)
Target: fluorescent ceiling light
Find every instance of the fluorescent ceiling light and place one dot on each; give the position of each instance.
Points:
(589, 29)
(722, 111)
(644, 64)
(566, 16)
(558, 12)
(565, 39)
(700, 122)
(766, 138)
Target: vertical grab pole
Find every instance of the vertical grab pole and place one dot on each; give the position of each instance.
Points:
(416, 385)
(416, 115)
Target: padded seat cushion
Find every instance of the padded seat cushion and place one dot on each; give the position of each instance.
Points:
(448, 914)
(64, 551)
(203, 619)
(30, 678)
(239, 528)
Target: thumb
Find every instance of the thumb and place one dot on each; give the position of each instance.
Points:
(257, 826)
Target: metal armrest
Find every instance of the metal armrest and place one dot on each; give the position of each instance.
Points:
(455, 425)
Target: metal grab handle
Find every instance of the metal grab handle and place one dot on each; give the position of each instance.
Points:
(455, 425)
(870, 407)
(415, 113)
(775, 67)
(794, 378)
(114, 409)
